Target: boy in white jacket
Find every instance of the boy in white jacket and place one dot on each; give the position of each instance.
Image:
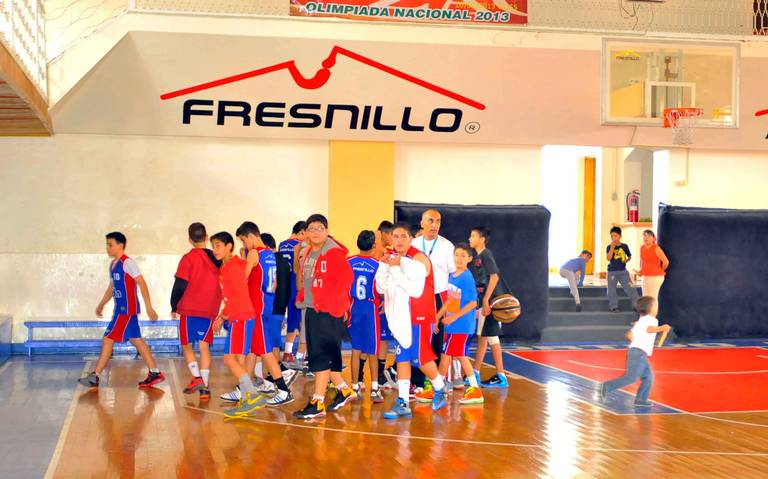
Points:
(405, 279)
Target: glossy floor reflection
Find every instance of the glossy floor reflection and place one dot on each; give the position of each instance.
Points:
(530, 430)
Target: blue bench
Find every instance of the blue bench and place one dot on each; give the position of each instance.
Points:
(49, 345)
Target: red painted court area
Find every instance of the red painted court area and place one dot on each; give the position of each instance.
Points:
(693, 380)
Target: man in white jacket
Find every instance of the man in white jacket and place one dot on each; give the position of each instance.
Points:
(406, 280)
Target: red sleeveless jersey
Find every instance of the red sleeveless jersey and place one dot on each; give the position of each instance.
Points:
(423, 309)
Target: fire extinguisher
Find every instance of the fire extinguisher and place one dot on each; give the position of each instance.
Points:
(633, 206)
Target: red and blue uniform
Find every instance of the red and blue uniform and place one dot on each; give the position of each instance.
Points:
(423, 317)
(237, 306)
(261, 288)
(364, 324)
(461, 291)
(202, 297)
(287, 250)
(124, 325)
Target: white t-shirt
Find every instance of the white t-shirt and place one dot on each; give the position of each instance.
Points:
(641, 338)
(440, 253)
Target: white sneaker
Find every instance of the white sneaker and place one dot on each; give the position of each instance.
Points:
(289, 376)
(233, 396)
(266, 387)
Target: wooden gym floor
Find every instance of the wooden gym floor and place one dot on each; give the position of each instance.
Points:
(708, 421)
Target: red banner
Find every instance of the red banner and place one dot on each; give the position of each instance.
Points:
(498, 12)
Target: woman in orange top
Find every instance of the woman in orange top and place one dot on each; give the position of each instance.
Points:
(653, 265)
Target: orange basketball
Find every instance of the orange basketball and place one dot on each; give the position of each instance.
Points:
(505, 308)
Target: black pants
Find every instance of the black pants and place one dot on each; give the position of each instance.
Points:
(417, 377)
(324, 334)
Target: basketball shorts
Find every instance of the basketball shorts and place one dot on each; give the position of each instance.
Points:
(261, 341)
(293, 316)
(274, 325)
(195, 328)
(487, 326)
(420, 351)
(456, 344)
(123, 328)
(239, 337)
(385, 333)
(323, 341)
(364, 331)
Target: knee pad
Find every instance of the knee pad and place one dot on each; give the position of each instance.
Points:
(493, 340)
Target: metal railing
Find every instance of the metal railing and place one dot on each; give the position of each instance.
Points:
(22, 32)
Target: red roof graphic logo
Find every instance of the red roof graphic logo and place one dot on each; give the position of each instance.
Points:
(322, 76)
(761, 113)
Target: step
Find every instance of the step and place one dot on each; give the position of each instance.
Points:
(585, 292)
(584, 334)
(598, 305)
(590, 319)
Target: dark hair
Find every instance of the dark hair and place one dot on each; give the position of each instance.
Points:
(465, 247)
(644, 305)
(415, 229)
(317, 218)
(118, 237)
(403, 225)
(616, 229)
(649, 233)
(386, 226)
(483, 232)
(248, 227)
(365, 240)
(268, 240)
(197, 232)
(299, 227)
(586, 251)
(224, 237)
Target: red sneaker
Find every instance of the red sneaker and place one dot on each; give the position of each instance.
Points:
(195, 384)
(152, 379)
(288, 358)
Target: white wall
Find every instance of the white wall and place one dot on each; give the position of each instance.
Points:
(720, 179)
(468, 174)
(62, 194)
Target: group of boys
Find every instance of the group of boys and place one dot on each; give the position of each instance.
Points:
(311, 282)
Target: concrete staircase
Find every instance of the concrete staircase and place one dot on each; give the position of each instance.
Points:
(593, 324)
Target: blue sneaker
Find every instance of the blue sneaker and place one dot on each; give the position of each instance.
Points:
(400, 409)
(438, 402)
(498, 380)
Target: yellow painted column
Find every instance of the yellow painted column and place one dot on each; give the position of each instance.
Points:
(361, 187)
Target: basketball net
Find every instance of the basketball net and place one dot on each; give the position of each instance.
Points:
(682, 121)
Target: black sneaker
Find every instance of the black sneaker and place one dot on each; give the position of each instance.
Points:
(495, 381)
(615, 310)
(342, 398)
(578, 308)
(152, 379)
(90, 381)
(315, 409)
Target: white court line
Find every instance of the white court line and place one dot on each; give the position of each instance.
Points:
(5, 366)
(65, 429)
(759, 371)
(482, 443)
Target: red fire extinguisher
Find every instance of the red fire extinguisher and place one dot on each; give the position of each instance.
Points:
(633, 206)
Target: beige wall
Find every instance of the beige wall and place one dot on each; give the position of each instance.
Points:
(62, 194)
(468, 174)
(720, 179)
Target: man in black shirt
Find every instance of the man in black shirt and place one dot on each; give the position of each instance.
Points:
(487, 278)
(618, 256)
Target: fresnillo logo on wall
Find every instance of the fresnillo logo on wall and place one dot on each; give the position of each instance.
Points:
(348, 115)
(762, 113)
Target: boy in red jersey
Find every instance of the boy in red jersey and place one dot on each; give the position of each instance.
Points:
(239, 317)
(195, 302)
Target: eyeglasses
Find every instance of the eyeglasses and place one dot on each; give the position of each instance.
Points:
(316, 229)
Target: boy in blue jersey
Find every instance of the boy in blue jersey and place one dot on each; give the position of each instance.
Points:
(364, 324)
(458, 316)
(124, 280)
(287, 249)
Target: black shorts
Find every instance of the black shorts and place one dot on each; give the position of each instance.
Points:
(491, 327)
(323, 341)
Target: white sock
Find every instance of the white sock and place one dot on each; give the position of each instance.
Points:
(404, 389)
(375, 385)
(194, 369)
(246, 385)
(456, 369)
(318, 398)
(259, 370)
(204, 373)
(300, 356)
(437, 383)
(288, 348)
(473, 381)
(154, 370)
(341, 386)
